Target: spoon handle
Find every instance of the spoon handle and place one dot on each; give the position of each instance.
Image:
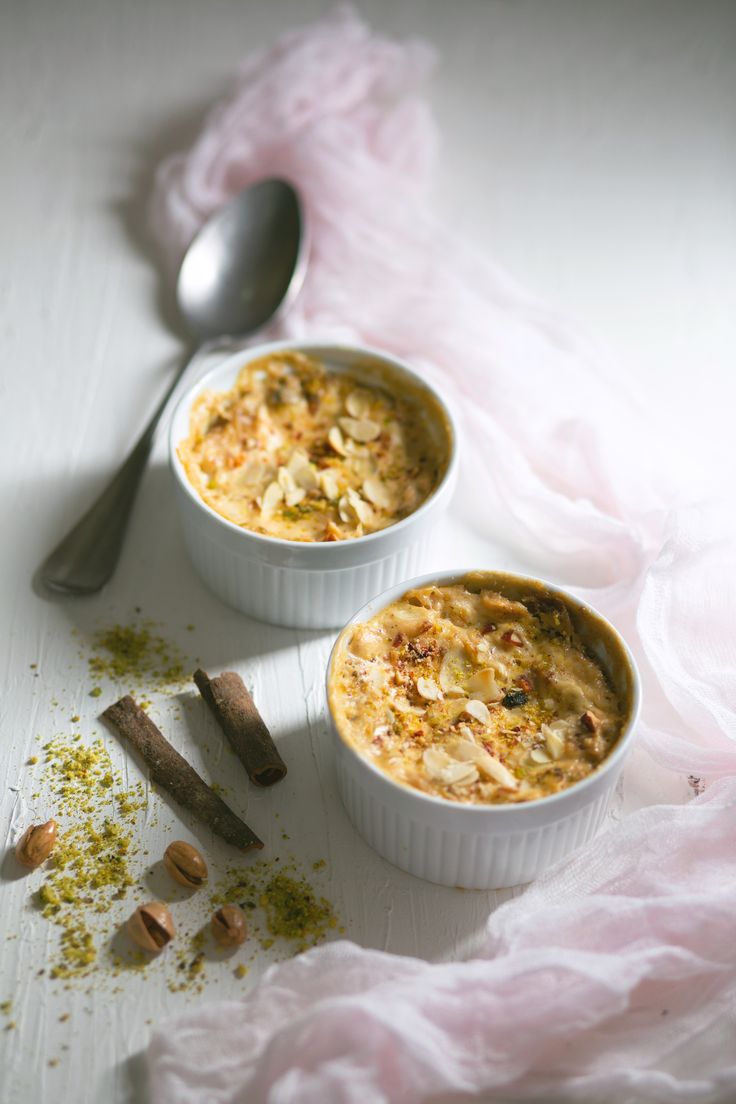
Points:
(86, 557)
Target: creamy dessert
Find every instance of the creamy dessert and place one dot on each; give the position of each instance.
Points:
(306, 454)
(484, 691)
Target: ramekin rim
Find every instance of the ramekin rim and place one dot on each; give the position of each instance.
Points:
(320, 546)
(408, 793)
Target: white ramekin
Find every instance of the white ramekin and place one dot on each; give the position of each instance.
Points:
(478, 846)
(294, 583)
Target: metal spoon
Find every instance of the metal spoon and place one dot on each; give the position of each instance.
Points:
(245, 264)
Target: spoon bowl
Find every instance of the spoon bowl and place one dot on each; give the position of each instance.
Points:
(244, 267)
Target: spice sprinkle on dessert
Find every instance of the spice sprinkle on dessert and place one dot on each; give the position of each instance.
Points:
(485, 691)
(302, 453)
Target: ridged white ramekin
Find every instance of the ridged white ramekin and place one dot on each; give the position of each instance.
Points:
(294, 583)
(479, 846)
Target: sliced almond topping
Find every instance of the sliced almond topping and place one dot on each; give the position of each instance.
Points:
(435, 761)
(465, 749)
(428, 689)
(329, 483)
(255, 473)
(453, 670)
(442, 768)
(478, 711)
(272, 496)
(402, 705)
(362, 510)
(410, 622)
(493, 768)
(360, 429)
(460, 774)
(293, 495)
(554, 740)
(483, 685)
(376, 492)
(303, 473)
(286, 480)
(355, 451)
(346, 511)
(336, 440)
(358, 402)
(487, 764)
(537, 755)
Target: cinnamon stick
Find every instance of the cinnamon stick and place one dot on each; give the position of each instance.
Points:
(236, 713)
(171, 771)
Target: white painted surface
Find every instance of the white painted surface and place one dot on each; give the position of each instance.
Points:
(588, 146)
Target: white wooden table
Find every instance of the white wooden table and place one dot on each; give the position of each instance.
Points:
(585, 146)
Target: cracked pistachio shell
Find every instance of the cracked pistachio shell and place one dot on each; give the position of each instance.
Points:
(151, 926)
(229, 926)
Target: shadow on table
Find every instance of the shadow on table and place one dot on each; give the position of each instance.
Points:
(132, 1076)
(154, 581)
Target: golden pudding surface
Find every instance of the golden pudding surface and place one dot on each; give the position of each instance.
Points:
(483, 691)
(303, 453)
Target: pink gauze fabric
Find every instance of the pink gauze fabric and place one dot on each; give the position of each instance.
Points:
(589, 983)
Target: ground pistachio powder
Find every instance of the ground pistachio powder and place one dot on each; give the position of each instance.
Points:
(293, 910)
(137, 654)
(89, 867)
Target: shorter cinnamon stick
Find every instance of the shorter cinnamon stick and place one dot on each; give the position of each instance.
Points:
(171, 771)
(236, 713)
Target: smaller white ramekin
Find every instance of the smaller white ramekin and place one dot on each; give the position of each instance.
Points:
(294, 583)
(480, 846)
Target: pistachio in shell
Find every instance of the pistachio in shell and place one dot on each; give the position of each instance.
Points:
(185, 864)
(36, 844)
